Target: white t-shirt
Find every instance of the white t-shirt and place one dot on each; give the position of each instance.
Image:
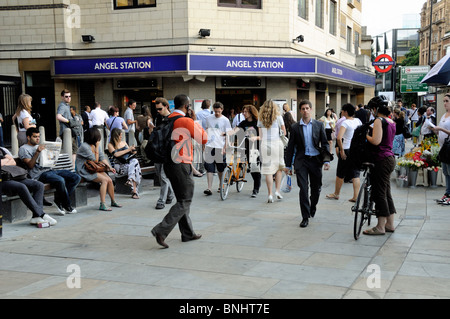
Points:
(23, 115)
(444, 123)
(98, 116)
(215, 128)
(273, 132)
(350, 126)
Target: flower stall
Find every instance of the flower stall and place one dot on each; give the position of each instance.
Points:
(421, 166)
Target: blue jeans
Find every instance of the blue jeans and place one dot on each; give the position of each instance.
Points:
(64, 182)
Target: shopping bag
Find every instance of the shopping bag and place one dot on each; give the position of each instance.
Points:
(286, 184)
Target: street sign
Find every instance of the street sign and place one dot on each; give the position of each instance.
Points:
(383, 63)
(410, 77)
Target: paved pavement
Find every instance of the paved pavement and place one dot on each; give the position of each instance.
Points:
(249, 249)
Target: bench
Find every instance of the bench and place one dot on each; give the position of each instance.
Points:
(14, 209)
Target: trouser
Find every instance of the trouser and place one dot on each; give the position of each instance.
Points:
(166, 191)
(64, 182)
(180, 176)
(24, 189)
(256, 181)
(311, 170)
(381, 187)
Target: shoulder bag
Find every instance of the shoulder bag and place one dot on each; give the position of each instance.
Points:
(444, 153)
(96, 167)
(13, 173)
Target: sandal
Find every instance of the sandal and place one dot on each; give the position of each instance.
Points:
(389, 230)
(135, 196)
(352, 200)
(332, 196)
(114, 204)
(129, 183)
(198, 175)
(104, 207)
(372, 231)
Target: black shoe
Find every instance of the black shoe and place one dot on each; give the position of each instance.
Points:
(159, 239)
(312, 212)
(254, 193)
(207, 192)
(160, 206)
(169, 201)
(195, 237)
(60, 209)
(70, 210)
(304, 223)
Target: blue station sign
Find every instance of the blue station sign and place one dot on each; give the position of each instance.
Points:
(211, 64)
(169, 63)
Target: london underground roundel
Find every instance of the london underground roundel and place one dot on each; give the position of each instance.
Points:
(383, 63)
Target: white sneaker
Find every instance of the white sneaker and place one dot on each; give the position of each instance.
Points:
(278, 195)
(70, 210)
(270, 199)
(36, 220)
(60, 209)
(52, 221)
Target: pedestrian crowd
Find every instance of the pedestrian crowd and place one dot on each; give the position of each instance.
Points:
(275, 143)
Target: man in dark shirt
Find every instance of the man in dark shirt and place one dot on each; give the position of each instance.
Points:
(362, 113)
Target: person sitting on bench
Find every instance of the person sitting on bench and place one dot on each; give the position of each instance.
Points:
(63, 181)
(31, 192)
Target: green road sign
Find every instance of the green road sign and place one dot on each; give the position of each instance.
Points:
(410, 77)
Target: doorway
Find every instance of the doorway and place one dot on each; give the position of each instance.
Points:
(237, 98)
(40, 86)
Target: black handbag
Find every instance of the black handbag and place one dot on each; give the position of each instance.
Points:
(13, 173)
(444, 153)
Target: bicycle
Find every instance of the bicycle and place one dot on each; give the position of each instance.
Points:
(364, 206)
(235, 171)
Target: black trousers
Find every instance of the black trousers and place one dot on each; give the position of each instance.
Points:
(180, 176)
(309, 174)
(381, 187)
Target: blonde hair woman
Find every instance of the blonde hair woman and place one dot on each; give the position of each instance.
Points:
(272, 150)
(24, 118)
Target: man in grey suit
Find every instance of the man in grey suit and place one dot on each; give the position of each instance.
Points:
(308, 139)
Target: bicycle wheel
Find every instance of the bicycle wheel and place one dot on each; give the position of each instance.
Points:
(359, 210)
(240, 182)
(225, 183)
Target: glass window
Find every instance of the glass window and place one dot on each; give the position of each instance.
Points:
(333, 17)
(349, 39)
(127, 4)
(319, 13)
(303, 9)
(254, 4)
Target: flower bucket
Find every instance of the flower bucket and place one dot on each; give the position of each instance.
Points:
(412, 178)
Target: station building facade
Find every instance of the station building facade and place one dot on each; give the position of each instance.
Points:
(233, 51)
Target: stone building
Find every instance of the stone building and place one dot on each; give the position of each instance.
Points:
(232, 51)
(436, 45)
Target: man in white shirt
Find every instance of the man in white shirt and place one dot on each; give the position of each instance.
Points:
(98, 116)
(216, 125)
(98, 119)
(238, 119)
(129, 119)
(204, 113)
